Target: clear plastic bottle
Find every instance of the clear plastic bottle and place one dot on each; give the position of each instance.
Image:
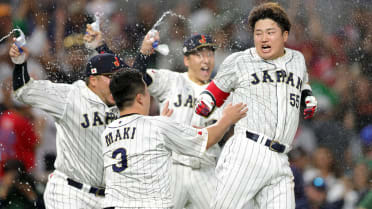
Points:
(95, 24)
(96, 27)
(161, 48)
(20, 42)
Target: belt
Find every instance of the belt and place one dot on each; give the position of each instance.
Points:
(272, 144)
(93, 190)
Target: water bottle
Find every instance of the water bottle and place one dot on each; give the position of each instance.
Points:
(95, 25)
(161, 48)
(20, 42)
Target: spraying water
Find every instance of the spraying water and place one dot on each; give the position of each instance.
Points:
(9, 34)
(19, 42)
(169, 12)
(162, 48)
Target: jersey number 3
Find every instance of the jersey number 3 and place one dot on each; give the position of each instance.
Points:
(123, 164)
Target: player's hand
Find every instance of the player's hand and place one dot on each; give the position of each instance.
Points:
(204, 105)
(166, 111)
(14, 51)
(311, 105)
(92, 38)
(147, 42)
(233, 113)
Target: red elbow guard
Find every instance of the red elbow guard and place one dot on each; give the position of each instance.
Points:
(218, 94)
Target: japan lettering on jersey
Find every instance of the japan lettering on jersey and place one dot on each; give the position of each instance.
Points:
(271, 89)
(80, 117)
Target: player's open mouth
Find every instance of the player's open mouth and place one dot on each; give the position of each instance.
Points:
(205, 69)
(266, 48)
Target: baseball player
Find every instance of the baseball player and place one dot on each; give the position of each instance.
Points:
(81, 111)
(253, 169)
(137, 147)
(193, 179)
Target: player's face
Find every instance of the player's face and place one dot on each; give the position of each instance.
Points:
(103, 89)
(200, 65)
(269, 39)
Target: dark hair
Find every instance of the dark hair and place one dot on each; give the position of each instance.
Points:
(125, 85)
(272, 11)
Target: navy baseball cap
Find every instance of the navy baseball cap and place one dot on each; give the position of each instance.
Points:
(196, 42)
(104, 64)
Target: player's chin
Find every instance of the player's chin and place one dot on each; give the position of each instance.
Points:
(205, 74)
(267, 56)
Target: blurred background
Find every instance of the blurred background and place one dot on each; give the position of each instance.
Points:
(332, 155)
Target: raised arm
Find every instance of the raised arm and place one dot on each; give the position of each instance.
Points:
(20, 73)
(94, 40)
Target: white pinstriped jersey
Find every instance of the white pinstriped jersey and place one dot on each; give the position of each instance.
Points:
(270, 88)
(80, 117)
(181, 92)
(137, 158)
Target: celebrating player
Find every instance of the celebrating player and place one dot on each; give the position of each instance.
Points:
(193, 179)
(253, 169)
(137, 148)
(82, 111)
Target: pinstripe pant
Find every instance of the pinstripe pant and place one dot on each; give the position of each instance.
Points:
(192, 188)
(252, 176)
(58, 194)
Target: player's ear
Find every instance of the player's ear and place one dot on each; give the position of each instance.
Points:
(285, 35)
(140, 98)
(186, 61)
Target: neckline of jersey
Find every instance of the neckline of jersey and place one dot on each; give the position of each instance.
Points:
(129, 114)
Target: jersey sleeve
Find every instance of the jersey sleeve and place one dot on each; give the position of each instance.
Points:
(227, 78)
(182, 138)
(45, 95)
(305, 79)
(160, 82)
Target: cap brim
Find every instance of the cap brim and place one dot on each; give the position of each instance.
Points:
(211, 45)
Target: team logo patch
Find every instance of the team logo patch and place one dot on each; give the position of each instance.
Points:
(93, 70)
(203, 40)
(200, 133)
(117, 63)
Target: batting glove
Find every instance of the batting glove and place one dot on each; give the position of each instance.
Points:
(311, 105)
(205, 104)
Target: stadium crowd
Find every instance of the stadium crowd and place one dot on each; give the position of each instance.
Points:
(332, 153)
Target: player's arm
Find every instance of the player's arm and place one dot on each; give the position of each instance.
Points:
(95, 41)
(308, 101)
(208, 99)
(219, 89)
(230, 115)
(143, 58)
(48, 96)
(20, 73)
(192, 141)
